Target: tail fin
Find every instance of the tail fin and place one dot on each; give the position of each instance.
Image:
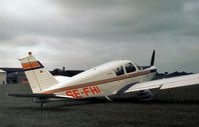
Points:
(39, 78)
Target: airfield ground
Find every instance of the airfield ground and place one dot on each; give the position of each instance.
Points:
(174, 107)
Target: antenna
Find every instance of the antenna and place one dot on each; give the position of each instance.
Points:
(80, 58)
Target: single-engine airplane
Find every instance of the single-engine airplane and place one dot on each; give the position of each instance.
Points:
(116, 77)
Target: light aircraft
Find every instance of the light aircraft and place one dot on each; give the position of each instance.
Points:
(116, 77)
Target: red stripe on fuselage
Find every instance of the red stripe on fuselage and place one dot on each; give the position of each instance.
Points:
(98, 82)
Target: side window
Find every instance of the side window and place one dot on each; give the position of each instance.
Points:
(130, 68)
(119, 71)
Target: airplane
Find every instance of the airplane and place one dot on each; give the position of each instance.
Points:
(112, 78)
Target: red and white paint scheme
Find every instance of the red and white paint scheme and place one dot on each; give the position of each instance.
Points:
(116, 77)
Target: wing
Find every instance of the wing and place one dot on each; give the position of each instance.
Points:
(166, 83)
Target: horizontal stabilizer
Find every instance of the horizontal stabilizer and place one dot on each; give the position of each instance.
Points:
(38, 95)
(30, 95)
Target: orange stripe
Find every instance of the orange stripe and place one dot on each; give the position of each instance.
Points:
(98, 82)
(30, 65)
(26, 66)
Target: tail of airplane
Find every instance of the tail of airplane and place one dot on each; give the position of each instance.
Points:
(39, 78)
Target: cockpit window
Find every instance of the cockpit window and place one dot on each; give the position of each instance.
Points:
(130, 68)
(119, 71)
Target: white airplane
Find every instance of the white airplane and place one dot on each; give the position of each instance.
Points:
(116, 77)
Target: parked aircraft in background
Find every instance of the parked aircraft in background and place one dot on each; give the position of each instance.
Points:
(116, 77)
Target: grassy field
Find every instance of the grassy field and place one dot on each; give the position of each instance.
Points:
(174, 107)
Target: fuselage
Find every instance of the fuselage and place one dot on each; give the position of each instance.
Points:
(116, 77)
(104, 80)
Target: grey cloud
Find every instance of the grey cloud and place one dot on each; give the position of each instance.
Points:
(67, 32)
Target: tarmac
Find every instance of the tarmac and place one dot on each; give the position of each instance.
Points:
(174, 107)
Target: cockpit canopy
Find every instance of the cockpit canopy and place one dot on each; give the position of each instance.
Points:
(126, 68)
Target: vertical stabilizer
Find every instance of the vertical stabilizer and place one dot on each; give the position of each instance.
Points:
(39, 78)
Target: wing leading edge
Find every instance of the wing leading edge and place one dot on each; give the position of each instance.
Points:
(166, 83)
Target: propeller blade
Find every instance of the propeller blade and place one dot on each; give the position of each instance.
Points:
(153, 58)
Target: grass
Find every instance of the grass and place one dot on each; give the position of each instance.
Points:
(175, 107)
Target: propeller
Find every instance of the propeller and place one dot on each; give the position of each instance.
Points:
(153, 58)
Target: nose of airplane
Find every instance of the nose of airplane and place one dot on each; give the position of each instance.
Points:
(153, 69)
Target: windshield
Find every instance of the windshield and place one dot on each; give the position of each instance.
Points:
(130, 68)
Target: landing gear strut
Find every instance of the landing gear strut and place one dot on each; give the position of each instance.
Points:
(108, 98)
(42, 105)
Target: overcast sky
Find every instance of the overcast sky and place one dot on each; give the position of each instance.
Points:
(81, 34)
